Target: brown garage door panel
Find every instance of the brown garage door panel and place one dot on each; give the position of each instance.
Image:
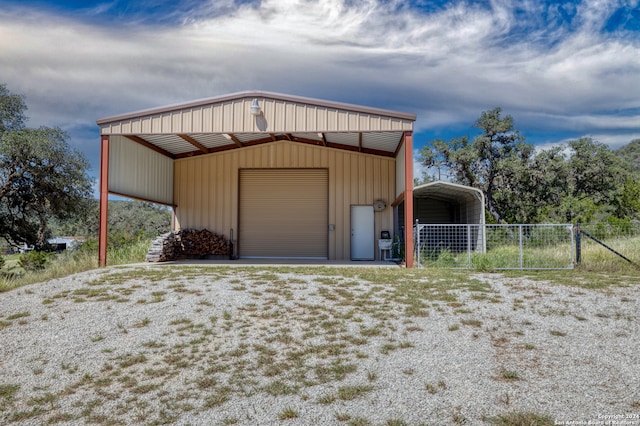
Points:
(283, 213)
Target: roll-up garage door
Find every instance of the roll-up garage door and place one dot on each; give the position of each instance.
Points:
(283, 213)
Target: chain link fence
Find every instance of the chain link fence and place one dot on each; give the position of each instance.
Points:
(476, 246)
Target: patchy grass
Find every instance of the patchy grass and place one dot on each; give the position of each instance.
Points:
(288, 413)
(509, 375)
(7, 394)
(278, 343)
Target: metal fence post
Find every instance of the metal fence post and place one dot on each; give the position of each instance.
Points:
(417, 239)
(520, 243)
(578, 245)
(469, 245)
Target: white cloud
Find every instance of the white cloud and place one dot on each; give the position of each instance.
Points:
(446, 66)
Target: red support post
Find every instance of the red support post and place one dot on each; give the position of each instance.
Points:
(104, 200)
(408, 199)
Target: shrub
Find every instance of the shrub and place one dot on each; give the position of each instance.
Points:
(34, 260)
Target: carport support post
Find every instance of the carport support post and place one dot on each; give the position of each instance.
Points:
(408, 199)
(104, 200)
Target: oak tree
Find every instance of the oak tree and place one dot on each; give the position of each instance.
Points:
(41, 175)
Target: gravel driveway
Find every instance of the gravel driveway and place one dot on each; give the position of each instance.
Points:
(316, 346)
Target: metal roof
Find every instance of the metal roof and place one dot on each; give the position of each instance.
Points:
(225, 122)
(447, 191)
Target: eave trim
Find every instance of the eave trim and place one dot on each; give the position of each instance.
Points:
(257, 94)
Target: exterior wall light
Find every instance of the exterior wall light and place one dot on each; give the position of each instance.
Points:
(255, 108)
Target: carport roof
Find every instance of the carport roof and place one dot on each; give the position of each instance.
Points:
(447, 191)
(225, 122)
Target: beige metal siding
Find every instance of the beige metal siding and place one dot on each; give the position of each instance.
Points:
(234, 117)
(139, 172)
(283, 213)
(400, 171)
(206, 187)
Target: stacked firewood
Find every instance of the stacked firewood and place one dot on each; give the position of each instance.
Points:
(164, 248)
(188, 243)
(203, 242)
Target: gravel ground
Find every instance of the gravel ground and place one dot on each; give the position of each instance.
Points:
(186, 345)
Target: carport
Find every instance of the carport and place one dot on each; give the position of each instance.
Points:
(449, 216)
(442, 202)
(282, 176)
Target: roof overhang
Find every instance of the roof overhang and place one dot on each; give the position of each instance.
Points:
(222, 123)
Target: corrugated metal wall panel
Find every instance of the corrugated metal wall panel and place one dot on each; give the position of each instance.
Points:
(400, 171)
(186, 121)
(126, 127)
(211, 119)
(196, 120)
(238, 118)
(217, 186)
(176, 121)
(146, 125)
(283, 213)
(139, 172)
(280, 116)
(227, 117)
(353, 123)
(136, 125)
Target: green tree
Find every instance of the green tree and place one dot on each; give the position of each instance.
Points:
(127, 220)
(630, 154)
(583, 180)
(41, 177)
(493, 162)
(598, 183)
(12, 108)
(628, 201)
(139, 219)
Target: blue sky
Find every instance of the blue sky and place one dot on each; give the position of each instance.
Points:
(563, 70)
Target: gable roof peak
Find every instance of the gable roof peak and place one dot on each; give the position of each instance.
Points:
(259, 94)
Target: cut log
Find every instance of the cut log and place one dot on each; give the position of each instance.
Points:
(188, 243)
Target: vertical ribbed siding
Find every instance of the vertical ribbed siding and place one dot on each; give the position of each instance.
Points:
(400, 171)
(211, 182)
(234, 116)
(139, 172)
(283, 213)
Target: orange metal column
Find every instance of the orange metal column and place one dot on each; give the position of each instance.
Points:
(408, 199)
(104, 200)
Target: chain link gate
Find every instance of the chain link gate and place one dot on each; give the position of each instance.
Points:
(476, 246)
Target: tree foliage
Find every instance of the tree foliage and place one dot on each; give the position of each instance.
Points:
(489, 162)
(580, 181)
(594, 180)
(630, 154)
(41, 176)
(127, 220)
(12, 108)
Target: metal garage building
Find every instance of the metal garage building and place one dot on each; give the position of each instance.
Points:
(287, 176)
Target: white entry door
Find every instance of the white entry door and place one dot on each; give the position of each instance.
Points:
(362, 233)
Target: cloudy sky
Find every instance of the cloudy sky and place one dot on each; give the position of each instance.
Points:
(562, 69)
